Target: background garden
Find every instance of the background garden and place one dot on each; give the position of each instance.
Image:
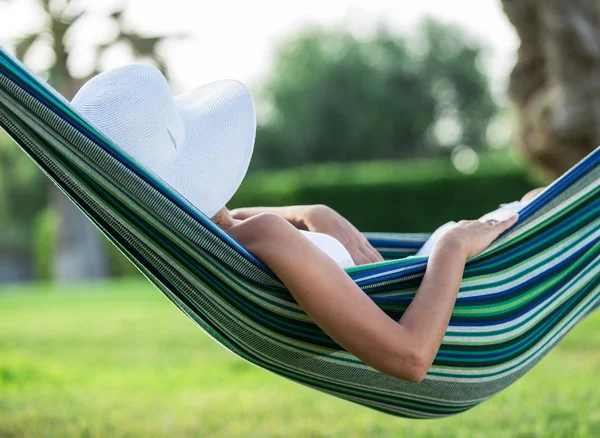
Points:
(397, 129)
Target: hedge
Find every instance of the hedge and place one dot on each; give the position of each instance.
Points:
(409, 196)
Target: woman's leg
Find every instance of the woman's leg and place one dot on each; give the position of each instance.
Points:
(532, 194)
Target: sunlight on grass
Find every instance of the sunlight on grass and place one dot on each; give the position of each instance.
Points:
(120, 360)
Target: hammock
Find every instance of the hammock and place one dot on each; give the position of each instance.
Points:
(517, 299)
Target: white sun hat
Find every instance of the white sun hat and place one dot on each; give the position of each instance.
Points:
(199, 143)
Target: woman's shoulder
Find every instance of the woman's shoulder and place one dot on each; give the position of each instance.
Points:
(263, 228)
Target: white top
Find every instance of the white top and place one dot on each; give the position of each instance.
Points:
(332, 247)
(504, 212)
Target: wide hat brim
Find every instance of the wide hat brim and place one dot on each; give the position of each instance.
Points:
(199, 143)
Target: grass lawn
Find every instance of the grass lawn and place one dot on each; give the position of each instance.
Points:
(119, 360)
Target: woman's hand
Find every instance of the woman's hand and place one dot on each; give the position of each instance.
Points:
(323, 219)
(472, 237)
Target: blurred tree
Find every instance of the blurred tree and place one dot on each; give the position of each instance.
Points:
(20, 200)
(334, 97)
(80, 251)
(555, 84)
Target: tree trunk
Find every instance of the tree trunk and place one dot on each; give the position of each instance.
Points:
(556, 81)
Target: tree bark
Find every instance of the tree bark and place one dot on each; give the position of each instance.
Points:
(555, 84)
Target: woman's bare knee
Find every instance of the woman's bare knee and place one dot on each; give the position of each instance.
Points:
(532, 194)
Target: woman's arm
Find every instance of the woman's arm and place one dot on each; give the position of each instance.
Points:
(404, 349)
(295, 214)
(321, 219)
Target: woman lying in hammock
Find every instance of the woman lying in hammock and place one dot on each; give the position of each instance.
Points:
(405, 348)
(201, 146)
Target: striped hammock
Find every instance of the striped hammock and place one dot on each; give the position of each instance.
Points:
(517, 299)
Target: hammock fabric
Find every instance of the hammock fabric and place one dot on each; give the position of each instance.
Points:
(517, 299)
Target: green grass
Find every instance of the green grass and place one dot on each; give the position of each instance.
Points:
(120, 360)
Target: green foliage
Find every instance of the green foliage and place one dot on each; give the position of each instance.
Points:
(118, 360)
(118, 264)
(335, 97)
(46, 231)
(409, 196)
(62, 19)
(22, 194)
